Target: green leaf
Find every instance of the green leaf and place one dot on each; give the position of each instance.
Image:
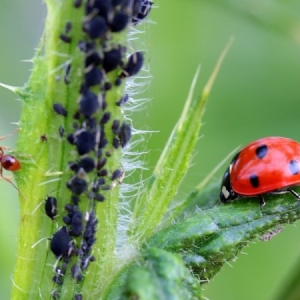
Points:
(209, 239)
(159, 275)
(174, 161)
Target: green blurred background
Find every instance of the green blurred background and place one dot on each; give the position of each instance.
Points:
(257, 94)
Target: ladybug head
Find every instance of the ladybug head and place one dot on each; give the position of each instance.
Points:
(227, 193)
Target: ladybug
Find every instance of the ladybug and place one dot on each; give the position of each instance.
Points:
(269, 165)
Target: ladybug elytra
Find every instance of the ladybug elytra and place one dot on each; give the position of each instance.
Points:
(269, 165)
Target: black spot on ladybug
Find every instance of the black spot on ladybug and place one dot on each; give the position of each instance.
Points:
(294, 167)
(261, 151)
(254, 180)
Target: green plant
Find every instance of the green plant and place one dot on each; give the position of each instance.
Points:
(221, 229)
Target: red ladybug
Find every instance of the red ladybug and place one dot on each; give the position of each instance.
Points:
(268, 165)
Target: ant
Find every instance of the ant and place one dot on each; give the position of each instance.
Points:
(8, 162)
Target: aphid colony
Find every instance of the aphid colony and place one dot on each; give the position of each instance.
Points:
(92, 120)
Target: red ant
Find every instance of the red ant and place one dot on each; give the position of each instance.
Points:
(8, 162)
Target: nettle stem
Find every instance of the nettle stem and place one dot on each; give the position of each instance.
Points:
(72, 132)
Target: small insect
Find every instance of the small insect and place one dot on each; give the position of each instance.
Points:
(59, 109)
(65, 38)
(269, 165)
(60, 243)
(142, 9)
(51, 207)
(43, 138)
(133, 65)
(8, 162)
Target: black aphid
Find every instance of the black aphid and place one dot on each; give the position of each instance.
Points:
(99, 197)
(51, 207)
(68, 27)
(93, 77)
(133, 65)
(76, 272)
(95, 27)
(142, 12)
(112, 59)
(124, 134)
(76, 224)
(93, 59)
(115, 127)
(119, 22)
(123, 100)
(99, 7)
(85, 142)
(87, 163)
(102, 173)
(105, 118)
(77, 3)
(61, 131)
(116, 174)
(60, 242)
(88, 104)
(59, 109)
(65, 38)
(77, 185)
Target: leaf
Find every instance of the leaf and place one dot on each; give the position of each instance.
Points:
(161, 275)
(209, 239)
(174, 161)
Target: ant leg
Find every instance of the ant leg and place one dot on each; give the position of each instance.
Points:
(296, 195)
(9, 181)
(262, 201)
(5, 148)
(8, 135)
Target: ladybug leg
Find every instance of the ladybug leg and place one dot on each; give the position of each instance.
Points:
(296, 195)
(261, 200)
